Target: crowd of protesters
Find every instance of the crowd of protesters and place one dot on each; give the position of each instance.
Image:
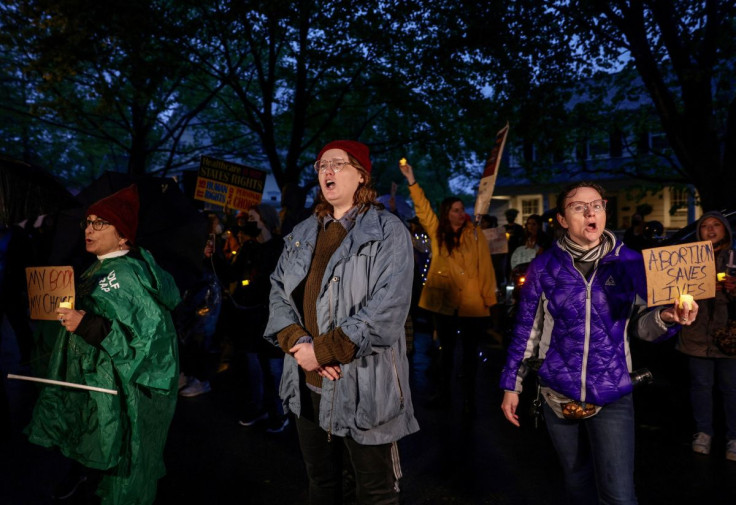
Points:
(335, 290)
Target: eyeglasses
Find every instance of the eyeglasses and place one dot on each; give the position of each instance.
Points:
(97, 224)
(597, 206)
(335, 165)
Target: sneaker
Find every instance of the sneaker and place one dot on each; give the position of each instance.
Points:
(183, 381)
(195, 388)
(279, 424)
(731, 450)
(253, 419)
(701, 443)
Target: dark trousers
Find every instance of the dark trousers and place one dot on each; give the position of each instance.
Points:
(469, 331)
(375, 467)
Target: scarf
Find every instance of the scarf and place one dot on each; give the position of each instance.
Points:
(608, 240)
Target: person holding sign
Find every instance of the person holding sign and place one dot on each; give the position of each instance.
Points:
(460, 287)
(709, 365)
(340, 295)
(119, 336)
(582, 300)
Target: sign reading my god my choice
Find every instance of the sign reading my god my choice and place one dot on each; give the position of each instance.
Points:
(47, 288)
(672, 271)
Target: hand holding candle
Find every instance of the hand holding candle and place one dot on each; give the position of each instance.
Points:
(685, 310)
(407, 171)
(68, 317)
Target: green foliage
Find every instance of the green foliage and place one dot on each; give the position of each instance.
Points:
(151, 85)
(106, 73)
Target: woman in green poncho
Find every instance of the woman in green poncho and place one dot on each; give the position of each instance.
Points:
(121, 337)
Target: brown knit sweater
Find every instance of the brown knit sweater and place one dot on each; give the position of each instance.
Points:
(333, 347)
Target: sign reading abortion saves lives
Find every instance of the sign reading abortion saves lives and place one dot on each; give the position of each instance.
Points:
(47, 288)
(680, 269)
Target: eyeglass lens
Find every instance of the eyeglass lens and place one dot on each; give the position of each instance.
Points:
(334, 165)
(97, 224)
(596, 206)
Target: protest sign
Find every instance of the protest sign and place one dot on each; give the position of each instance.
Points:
(231, 185)
(47, 288)
(497, 241)
(680, 269)
(490, 172)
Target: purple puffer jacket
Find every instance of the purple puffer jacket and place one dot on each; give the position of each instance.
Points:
(578, 327)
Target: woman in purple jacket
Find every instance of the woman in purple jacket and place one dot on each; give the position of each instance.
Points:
(581, 301)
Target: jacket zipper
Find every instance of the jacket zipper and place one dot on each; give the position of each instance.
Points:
(331, 298)
(586, 344)
(332, 409)
(588, 306)
(398, 379)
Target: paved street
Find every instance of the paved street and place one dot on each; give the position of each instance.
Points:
(212, 460)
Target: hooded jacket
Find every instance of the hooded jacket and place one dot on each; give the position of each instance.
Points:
(580, 327)
(366, 292)
(697, 339)
(124, 433)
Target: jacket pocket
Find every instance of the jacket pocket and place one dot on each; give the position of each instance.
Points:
(438, 292)
(380, 396)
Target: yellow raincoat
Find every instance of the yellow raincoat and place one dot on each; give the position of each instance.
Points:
(463, 281)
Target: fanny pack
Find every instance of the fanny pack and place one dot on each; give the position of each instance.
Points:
(566, 408)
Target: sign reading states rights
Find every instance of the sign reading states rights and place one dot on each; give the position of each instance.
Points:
(228, 184)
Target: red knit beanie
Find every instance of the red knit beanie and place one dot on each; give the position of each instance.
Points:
(357, 150)
(121, 210)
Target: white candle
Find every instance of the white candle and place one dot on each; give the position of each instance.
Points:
(686, 299)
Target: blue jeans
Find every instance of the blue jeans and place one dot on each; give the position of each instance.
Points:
(704, 374)
(264, 375)
(597, 454)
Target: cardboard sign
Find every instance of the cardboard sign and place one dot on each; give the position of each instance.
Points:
(231, 185)
(680, 269)
(497, 241)
(47, 288)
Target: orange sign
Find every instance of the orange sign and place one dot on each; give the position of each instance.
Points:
(229, 184)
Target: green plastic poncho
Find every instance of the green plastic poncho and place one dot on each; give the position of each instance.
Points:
(122, 434)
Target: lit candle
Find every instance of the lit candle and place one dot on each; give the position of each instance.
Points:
(721, 276)
(686, 299)
(402, 161)
(66, 305)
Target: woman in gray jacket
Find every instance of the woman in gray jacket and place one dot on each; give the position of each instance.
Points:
(339, 298)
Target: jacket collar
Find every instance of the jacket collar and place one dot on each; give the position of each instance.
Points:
(367, 228)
